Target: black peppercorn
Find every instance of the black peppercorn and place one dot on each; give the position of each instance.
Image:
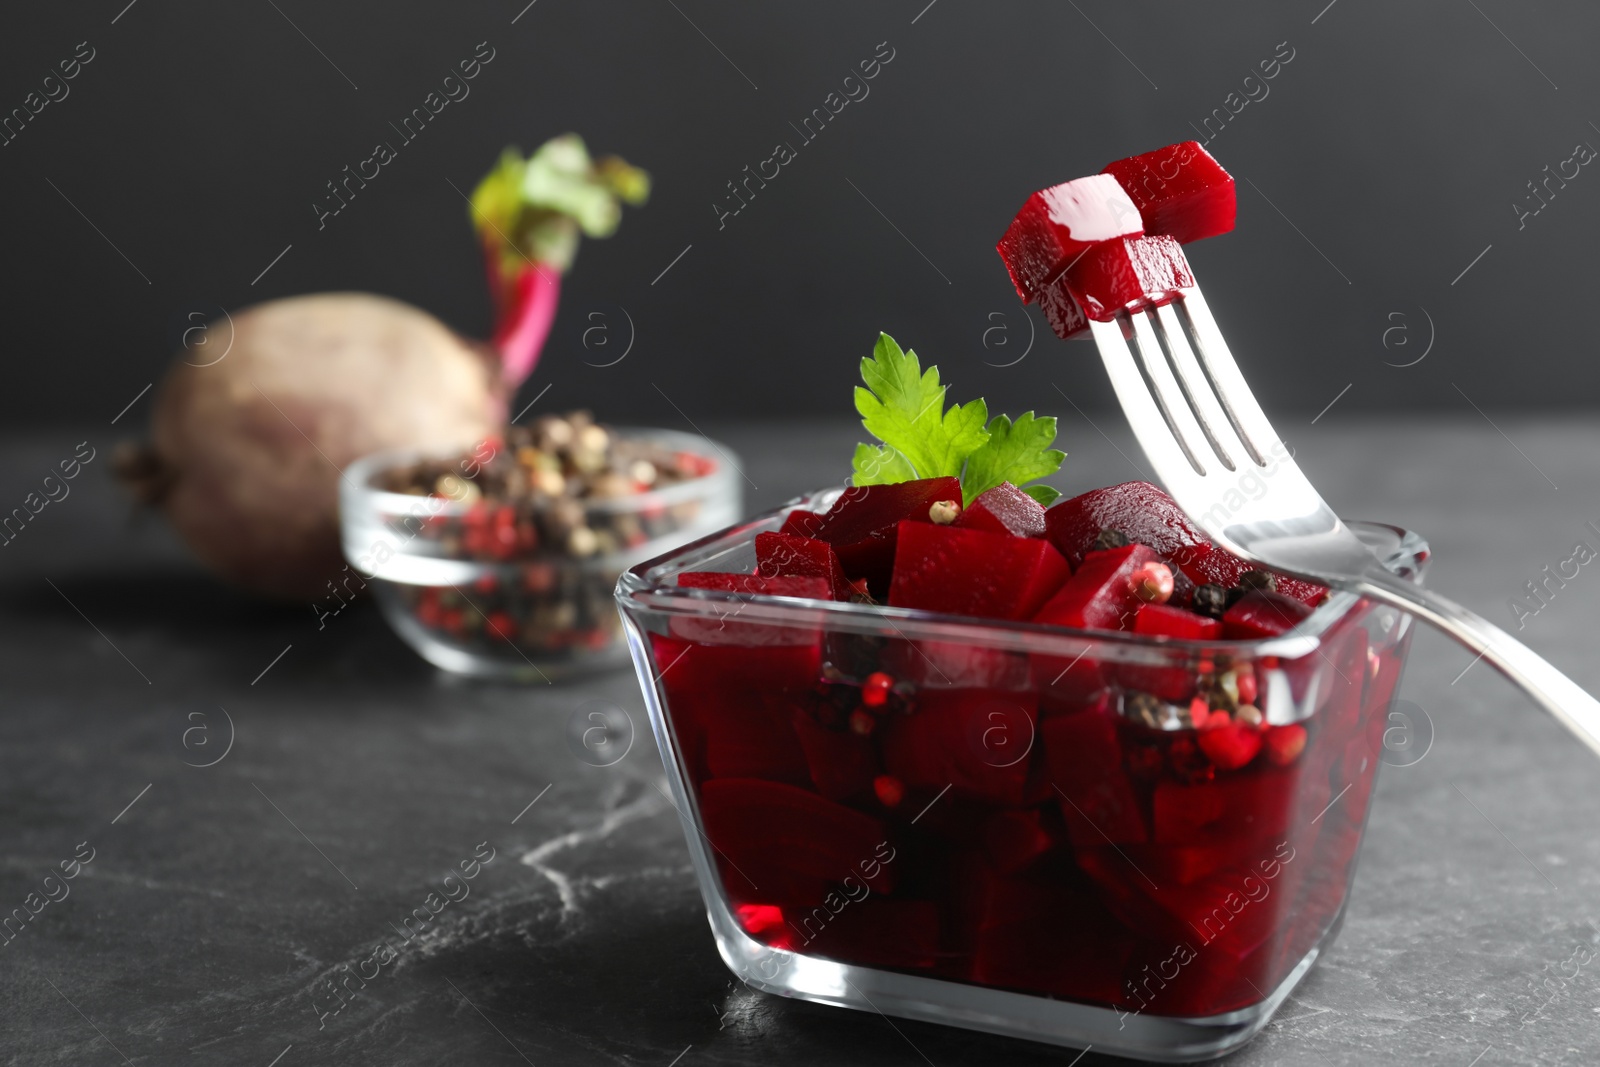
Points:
(1210, 600)
(1259, 580)
(1110, 539)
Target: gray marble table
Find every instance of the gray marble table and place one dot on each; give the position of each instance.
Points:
(222, 903)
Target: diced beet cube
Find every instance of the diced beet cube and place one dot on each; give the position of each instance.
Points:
(1253, 804)
(862, 524)
(746, 636)
(1218, 566)
(749, 737)
(1058, 223)
(1180, 191)
(1167, 621)
(1062, 311)
(753, 820)
(1127, 274)
(699, 656)
(1100, 595)
(843, 763)
(1042, 935)
(801, 523)
(1149, 516)
(1005, 509)
(973, 572)
(956, 665)
(814, 588)
(1140, 510)
(1083, 756)
(972, 740)
(792, 556)
(1263, 614)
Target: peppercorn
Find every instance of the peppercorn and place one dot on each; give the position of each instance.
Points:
(1110, 539)
(1144, 708)
(1259, 580)
(875, 690)
(1210, 600)
(1152, 583)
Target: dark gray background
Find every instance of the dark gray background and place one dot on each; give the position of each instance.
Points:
(1391, 149)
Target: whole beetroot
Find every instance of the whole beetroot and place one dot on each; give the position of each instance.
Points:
(245, 453)
(247, 449)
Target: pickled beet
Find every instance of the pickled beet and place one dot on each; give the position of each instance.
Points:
(969, 740)
(1180, 191)
(753, 820)
(747, 736)
(1056, 224)
(1263, 614)
(1149, 516)
(1083, 755)
(1062, 311)
(842, 763)
(793, 556)
(862, 524)
(1138, 509)
(1166, 621)
(1100, 595)
(1127, 275)
(973, 572)
(1005, 509)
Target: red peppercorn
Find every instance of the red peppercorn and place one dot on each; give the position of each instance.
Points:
(501, 625)
(1152, 582)
(889, 789)
(1229, 745)
(875, 690)
(1283, 744)
(862, 722)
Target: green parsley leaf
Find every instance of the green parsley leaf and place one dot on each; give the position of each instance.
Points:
(875, 465)
(1016, 452)
(903, 406)
(1044, 494)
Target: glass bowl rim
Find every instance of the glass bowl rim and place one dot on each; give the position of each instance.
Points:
(641, 588)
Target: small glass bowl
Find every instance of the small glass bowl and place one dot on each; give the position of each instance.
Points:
(479, 604)
(1012, 827)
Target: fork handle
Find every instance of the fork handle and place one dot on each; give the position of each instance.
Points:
(1561, 696)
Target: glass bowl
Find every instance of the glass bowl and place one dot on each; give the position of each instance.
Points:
(1018, 830)
(474, 602)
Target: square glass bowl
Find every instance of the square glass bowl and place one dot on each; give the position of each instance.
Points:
(487, 590)
(1011, 827)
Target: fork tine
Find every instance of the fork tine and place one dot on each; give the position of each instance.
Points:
(1213, 420)
(1173, 465)
(1231, 388)
(1158, 375)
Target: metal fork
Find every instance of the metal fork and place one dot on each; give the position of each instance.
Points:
(1200, 426)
